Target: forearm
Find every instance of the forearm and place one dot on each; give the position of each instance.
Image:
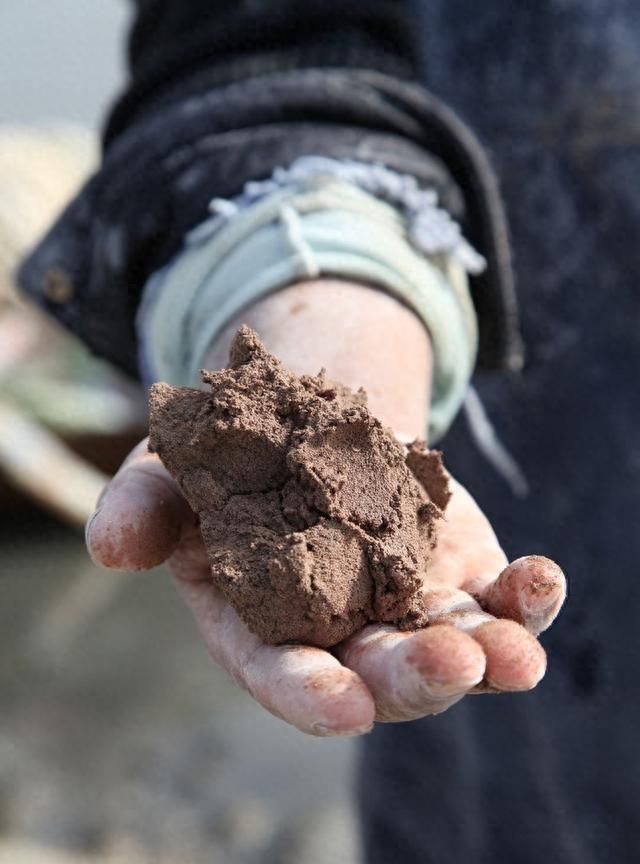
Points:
(362, 337)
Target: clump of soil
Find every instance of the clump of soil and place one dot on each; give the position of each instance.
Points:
(311, 513)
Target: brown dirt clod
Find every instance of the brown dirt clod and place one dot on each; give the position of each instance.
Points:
(310, 510)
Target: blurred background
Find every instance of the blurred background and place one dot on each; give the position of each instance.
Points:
(119, 741)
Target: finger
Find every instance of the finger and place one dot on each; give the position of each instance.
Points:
(307, 687)
(413, 674)
(514, 659)
(530, 591)
(140, 517)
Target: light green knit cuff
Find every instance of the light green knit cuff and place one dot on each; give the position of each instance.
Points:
(315, 228)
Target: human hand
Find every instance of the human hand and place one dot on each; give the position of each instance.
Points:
(484, 615)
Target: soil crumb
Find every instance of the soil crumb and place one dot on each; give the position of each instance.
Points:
(315, 519)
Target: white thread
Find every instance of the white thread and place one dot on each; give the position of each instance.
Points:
(491, 446)
(223, 207)
(293, 233)
(429, 228)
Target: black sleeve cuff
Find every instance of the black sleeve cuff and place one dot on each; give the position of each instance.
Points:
(159, 174)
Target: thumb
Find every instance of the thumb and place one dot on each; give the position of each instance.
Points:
(140, 517)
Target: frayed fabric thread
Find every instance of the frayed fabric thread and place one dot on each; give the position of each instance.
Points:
(429, 227)
(489, 444)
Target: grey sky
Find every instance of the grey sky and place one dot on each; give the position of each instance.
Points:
(60, 59)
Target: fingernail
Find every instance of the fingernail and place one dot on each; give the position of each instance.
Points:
(522, 688)
(446, 691)
(541, 600)
(327, 731)
(89, 525)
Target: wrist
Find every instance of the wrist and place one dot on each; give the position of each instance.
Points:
(363, 337)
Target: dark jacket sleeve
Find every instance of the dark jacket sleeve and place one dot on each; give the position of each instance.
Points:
(221, 93)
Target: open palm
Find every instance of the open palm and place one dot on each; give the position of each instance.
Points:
(483, 615)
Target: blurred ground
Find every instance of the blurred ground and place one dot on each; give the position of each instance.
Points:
(119, 742)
